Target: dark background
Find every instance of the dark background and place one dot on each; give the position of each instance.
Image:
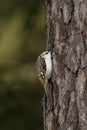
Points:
(22, 39)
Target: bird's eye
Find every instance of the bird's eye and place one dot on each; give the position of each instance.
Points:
(46, 53)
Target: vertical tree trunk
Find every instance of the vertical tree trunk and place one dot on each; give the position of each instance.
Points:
(66, 104)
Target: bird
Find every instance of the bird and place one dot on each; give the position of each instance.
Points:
(44, 68)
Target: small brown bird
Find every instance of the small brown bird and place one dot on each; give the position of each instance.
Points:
(44, 67)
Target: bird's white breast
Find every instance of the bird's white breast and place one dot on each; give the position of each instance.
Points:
(48, 65)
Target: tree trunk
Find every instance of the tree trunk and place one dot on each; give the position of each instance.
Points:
(66, 102)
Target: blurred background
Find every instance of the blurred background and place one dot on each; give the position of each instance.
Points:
(22, 39)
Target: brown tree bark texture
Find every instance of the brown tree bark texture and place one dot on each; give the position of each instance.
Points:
(66, 104)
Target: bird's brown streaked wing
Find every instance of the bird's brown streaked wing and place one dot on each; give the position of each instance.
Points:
(41, 68)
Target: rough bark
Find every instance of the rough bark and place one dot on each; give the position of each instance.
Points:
(66, 101)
